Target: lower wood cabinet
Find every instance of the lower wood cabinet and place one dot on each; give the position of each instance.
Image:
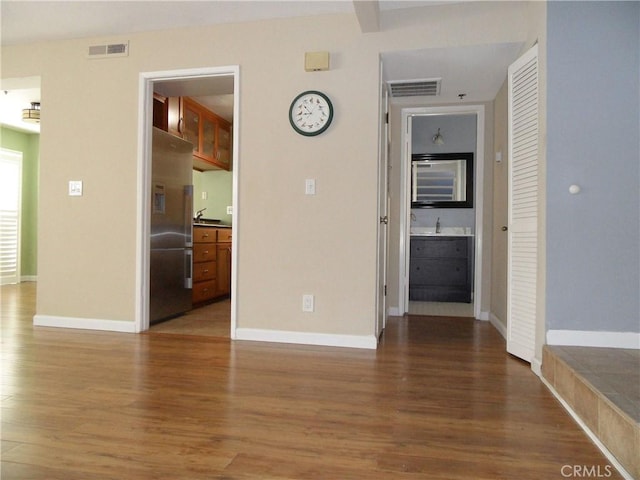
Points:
(440, 269)
(211, 263)
(223, 265)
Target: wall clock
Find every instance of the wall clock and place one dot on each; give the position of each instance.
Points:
(311, 113)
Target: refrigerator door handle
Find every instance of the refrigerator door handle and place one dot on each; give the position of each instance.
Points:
(188, 215)
(188, 269)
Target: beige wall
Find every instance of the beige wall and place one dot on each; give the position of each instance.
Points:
(289, 243)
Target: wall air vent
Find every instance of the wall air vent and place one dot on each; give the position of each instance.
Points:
(109, 50)
(429, 87)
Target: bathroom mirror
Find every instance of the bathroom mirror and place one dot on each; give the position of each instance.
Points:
(442, 180)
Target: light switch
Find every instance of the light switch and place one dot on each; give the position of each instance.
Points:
(310, 186)
(75, 188)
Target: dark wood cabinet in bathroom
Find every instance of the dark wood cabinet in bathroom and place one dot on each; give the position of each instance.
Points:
(441, 268)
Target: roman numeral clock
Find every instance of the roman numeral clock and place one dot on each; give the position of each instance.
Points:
(311, 113)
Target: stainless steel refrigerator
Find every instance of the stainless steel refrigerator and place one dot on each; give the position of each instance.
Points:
(171, 226)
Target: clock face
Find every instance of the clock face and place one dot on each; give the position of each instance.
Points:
(311, 113)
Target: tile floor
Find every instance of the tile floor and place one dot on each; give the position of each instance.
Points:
(615, 372)
(602, 386)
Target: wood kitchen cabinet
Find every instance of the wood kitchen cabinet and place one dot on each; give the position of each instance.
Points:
(440, 269)
(209, 133)
(211, 263)
(204, 264)
(160, 111)
(223, 264)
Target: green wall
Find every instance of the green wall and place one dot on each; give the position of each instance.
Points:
(218, 185)
(29, 145)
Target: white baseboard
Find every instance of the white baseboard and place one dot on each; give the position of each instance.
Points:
(594, 339)
(304, 338)
(84, 323)
(499, 325)
(483, 316)
(29, 278)
(395, 312)
(536, 366)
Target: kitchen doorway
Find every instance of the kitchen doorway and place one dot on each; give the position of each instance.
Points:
(220, 86)
(438, 308)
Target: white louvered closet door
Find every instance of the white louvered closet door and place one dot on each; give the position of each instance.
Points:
(523, 205)
(10, 182)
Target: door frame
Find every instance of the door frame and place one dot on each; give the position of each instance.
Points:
(405, 200)
(382, 240)
(145, 120)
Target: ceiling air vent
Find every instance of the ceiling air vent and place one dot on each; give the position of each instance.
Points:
(429, 87)
(109, 50)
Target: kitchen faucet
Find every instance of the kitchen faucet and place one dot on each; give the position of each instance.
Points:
(199, 214)
(438, 225)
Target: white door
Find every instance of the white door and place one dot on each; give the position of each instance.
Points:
(383, 212)
(10, 188)
(523, 205)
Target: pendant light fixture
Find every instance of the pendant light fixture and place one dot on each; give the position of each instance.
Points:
(32, 115)
(438, 139)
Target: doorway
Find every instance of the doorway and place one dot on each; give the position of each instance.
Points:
(443, 113)
(10, 209)
(219, 85)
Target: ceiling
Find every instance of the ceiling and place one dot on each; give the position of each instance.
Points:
(477, 71)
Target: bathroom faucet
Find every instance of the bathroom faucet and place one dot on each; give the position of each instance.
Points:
(438, 225)
(199, 214)
(413, 217)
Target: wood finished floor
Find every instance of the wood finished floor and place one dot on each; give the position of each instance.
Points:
(439, 399)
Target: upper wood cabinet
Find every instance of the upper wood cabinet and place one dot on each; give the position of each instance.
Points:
(160, 111)
(209, 133)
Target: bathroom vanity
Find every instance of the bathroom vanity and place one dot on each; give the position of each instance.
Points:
(441, 267)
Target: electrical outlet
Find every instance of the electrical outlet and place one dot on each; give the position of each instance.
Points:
(307, 303)
(205, 195)
(310, 186)
(229, 210)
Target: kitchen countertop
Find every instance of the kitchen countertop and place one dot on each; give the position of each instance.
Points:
(444, 232)
(442, 235)
(212, 225)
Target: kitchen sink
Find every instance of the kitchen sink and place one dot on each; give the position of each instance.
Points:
(206, 221)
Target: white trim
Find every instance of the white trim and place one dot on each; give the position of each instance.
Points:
(84, 323)
(395, 312)
(29, 278)
(145, 96)
(536, 366)
(405, 200)
(605, 451)
(583, 338)
(498, 325)
(305, 338)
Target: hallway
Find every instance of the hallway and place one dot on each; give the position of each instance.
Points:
(439, 399)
